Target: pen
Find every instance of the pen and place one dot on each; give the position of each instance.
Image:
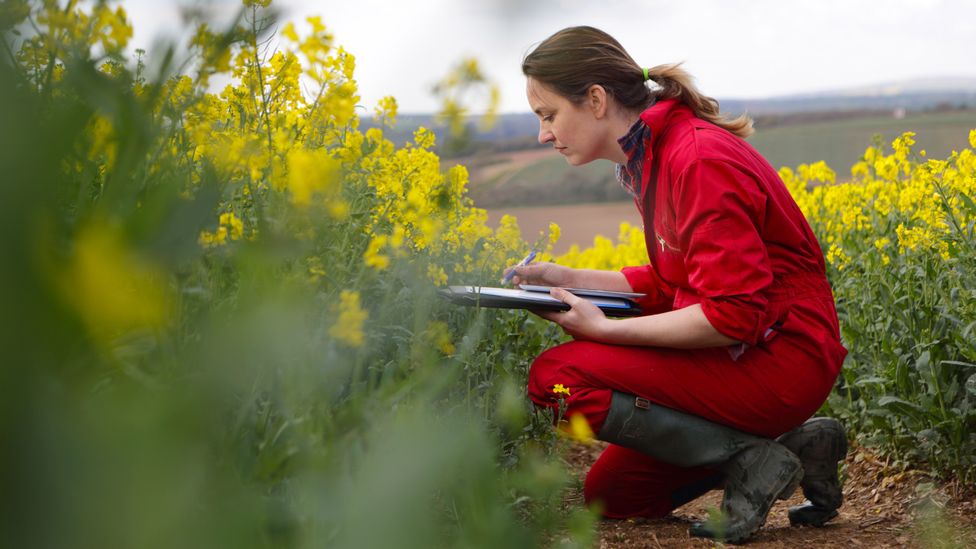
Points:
(528, 259)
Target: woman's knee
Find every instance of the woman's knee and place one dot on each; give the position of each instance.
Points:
(547, 370)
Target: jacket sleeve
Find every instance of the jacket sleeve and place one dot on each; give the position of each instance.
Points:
(643, 279)
(719, 211)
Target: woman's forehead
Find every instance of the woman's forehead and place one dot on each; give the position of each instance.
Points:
(539, 94)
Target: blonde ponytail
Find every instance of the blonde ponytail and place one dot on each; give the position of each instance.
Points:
(676, 83)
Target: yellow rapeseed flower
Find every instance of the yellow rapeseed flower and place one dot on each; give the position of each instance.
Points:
(818, 171)
(386, 110)
(373, 257)
(559, 388)
(439, 335)
(289, 32)
(903, 145)
(423, 138)
(208, 239)
(235, 226)
(315, 268)
(887, 168)
(630, 249)
(311, 172)
(112, 288)
(348, 327)
(860, 170)
(554, 233)
(580, 430)
(230, 226)
(436, 274)
(837, 257)
(908, 238)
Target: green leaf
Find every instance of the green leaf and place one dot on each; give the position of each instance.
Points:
(958, 363)
(924, 362)
(901, 406)
(970, 205)
(870, 379)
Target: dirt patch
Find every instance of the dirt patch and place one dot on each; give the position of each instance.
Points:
(578, 223)
(486, 168)
(882, 508)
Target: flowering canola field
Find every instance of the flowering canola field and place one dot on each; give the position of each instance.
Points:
(221, 319)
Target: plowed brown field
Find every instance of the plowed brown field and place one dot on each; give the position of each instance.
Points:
(578, 223)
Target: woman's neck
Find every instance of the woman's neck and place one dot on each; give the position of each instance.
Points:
(619, 125)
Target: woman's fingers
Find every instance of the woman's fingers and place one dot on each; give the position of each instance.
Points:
(584, 320)
(548, 315)
(533, 273)
(566, 297)
(543, 273)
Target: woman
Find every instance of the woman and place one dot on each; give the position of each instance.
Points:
(740, 341)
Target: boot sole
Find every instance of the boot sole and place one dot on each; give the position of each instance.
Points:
(810, 515)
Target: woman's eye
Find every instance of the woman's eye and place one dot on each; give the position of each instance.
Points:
(547, 118)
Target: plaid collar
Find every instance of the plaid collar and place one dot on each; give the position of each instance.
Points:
(629, 174)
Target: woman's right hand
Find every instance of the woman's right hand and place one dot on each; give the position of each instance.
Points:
(542, 274)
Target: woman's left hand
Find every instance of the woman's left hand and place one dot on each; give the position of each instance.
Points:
(584, 321)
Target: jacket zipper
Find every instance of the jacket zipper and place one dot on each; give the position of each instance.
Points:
(664, 244)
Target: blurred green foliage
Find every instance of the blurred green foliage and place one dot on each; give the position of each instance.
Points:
(169, 383)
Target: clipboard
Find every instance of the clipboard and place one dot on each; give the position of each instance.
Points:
(615, 304)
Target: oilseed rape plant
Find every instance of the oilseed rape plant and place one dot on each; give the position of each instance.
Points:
(221, 304)
(899, 238)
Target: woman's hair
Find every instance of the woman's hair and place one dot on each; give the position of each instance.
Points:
(575, 58)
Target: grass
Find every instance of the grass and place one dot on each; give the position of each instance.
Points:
(841, 143)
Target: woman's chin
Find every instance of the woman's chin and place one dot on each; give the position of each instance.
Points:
(573, 160)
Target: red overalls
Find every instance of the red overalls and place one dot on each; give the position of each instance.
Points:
(721, 230)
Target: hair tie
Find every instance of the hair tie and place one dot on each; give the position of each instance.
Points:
(647, 75)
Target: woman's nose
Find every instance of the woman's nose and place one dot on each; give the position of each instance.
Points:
(545, 136)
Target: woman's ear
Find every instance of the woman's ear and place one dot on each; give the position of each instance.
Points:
(597, 100)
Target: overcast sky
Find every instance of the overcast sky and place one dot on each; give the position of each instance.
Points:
(734, 48)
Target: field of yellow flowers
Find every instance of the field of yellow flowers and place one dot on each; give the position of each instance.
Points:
(220, 324)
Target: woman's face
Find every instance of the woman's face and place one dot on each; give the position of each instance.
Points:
(574, 130)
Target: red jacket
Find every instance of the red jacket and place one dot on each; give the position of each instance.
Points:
(722, 230)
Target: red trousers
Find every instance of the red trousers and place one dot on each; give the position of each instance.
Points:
(768, 390)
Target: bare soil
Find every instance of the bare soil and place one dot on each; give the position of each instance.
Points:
(488, 167)
(578, 223)
(883, 508)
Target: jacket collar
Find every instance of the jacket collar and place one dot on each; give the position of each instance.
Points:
(638, 144)
(659, 116)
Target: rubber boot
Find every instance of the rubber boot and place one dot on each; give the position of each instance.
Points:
(820, 443)
(758, 471)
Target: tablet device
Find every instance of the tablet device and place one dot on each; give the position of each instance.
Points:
(520, 298)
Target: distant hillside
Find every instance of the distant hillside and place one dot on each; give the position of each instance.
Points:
(516, 131)
(509, 168)
(541, 177)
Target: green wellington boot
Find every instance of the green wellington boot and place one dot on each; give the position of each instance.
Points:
(820, 443)
(758, 471)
